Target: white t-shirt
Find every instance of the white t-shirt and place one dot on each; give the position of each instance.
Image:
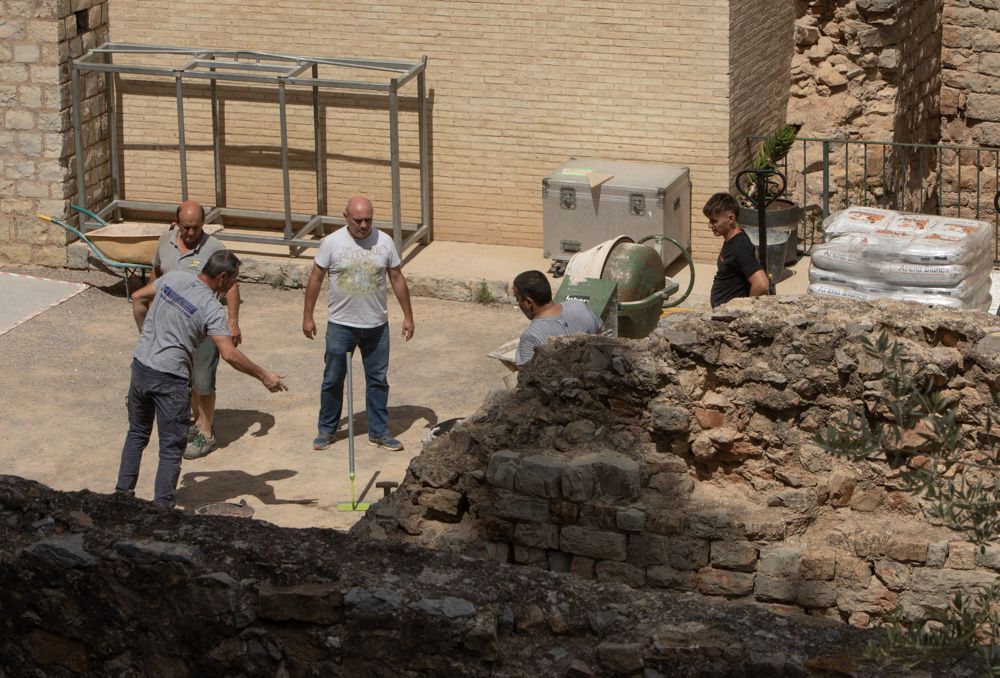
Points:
(357, 272)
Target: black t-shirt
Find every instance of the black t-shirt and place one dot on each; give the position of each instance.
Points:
(737, 262)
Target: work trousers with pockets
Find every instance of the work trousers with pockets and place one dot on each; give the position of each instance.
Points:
(167, 399)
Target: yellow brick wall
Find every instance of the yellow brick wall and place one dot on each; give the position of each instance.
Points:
(761, 47)
(516, 88)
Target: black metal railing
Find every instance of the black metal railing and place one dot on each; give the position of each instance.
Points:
(826, 175)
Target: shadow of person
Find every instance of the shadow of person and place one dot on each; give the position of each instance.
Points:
(401, 418)
(231, 425)
(206, 487)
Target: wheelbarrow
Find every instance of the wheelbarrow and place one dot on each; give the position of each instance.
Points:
(122, 257)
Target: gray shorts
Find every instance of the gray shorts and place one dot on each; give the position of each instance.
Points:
(206, 360)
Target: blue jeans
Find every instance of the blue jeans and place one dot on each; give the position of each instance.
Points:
(167, 399)
(374, 345)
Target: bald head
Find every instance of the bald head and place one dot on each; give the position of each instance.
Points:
(190, 220)
(358, 213)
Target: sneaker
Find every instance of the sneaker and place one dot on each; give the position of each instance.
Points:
(322, 441)
(388, 443)
(199, 447)
(192, 432)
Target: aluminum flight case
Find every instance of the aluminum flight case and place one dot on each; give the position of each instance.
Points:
(588, 201)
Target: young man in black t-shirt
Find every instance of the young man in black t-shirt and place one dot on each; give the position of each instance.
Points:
(739, 273)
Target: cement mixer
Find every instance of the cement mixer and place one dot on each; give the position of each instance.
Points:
(624, 282)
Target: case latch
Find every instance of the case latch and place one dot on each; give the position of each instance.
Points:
(567, 198)
(636, 204)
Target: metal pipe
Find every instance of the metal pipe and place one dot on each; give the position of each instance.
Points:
(81, 183)
(216, 146)
(318, 137)
(425, 183)
(826, 179)
(181, 147)
(286, 184)
(397, 217)
(109, 91)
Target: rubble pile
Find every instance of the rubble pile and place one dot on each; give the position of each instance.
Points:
(687, 461)
(92, 585)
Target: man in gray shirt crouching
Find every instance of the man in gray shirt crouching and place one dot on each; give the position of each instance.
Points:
(174, 314)
(548, 319)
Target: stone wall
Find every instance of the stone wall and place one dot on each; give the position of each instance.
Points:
(868, 70)
(686, 461)
(37, 170)
(92, 585)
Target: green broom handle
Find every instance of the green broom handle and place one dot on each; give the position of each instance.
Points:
(350, 419)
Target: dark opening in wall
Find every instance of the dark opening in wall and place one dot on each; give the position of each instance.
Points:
(82, 21)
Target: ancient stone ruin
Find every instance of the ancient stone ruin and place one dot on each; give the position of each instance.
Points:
(686, 461)
(92, 585)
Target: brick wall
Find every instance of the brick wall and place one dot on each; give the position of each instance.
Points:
(515, 89)
(37, 37)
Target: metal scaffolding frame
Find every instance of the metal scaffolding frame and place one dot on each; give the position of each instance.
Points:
(248, 66)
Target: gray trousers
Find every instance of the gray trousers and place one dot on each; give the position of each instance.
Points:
(167, 399)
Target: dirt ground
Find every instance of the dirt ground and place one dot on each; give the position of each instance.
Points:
(63, 400)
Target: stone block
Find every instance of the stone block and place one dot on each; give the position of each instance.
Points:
(539, 476)
(620, 573)
(672, 485)
(714, 582)
(740, 556)
(26, 54)
(909, 549)
(582, 567)
(937, 554)
(16, 119)
(779, 561)
(666, 521)
(648, 549)
(527, 555)
(501, 469)
(988, 556)
(815, 594)
(559, 561)
(317, 603)
(709, 418)
(841, 488)
(442, 505)
(29, 143)
(618, 476)
(819, 564)
(876, 599)
(772, 588)
(620, 657)
(664, 576)
(579, 480)
(538, 535)
(516, 507)
(631, 520)
(688, 554)
(852, 572)
(667, 419)
(597, 544)
(895, 576)
(11, 28)
(563, 512)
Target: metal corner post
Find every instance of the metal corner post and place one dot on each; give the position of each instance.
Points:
(216, 143)
(397, 219)
(285, 182)
(318, 134)
(425, 184)
(181, 147)
(110, 96)
(81, 183)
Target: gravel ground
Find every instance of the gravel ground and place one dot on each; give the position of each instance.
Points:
(64, 416)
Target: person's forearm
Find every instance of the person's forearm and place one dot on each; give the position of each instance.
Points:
(312, 294)
(402, 292)
(139, 311)
(233, 303)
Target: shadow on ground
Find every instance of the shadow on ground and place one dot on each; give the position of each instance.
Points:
(401, 419)
(231, 425)
(206, 487)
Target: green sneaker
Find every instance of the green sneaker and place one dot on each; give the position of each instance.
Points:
(199, 447)
(192, 432)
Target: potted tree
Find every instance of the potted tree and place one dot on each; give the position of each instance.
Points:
(783, 214)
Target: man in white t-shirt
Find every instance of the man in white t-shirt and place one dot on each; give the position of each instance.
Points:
(357, 259)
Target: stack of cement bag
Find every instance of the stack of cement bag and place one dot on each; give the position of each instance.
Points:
(871, 253)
